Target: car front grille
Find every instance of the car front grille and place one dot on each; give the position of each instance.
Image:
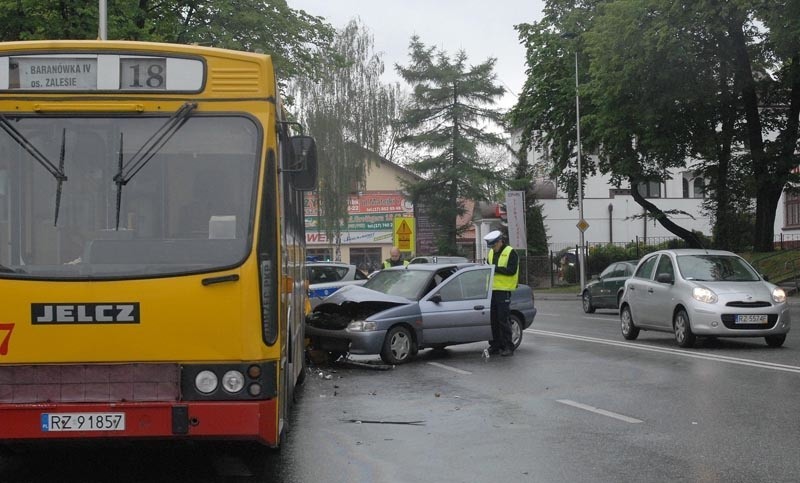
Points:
(748, 305)
(730, 322)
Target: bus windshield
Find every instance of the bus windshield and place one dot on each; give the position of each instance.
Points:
(65, 214)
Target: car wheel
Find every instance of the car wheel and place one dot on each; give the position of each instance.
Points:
(398, 347)
(587, 302)
(629, 330)
(775, 340)
(683, 329)
(516, 329)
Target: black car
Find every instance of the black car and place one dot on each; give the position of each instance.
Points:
(606, 291)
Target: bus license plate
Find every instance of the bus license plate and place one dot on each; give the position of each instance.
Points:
(751, 319)
(83, 422)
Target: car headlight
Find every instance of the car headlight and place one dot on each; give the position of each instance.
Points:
(233, 381)
(361, 326)
(206, 382)
(778, 295)
(702, 294)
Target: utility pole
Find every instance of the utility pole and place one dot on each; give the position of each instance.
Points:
(103, 15)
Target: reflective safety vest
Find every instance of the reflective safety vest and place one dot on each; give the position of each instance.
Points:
(504, 282)
(388, 263)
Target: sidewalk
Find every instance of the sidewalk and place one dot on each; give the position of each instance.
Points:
(793, 299)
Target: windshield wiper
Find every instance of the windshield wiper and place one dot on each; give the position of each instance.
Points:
(56, 171)
(150, 148)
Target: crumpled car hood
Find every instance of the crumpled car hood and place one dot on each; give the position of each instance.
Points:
(355, 293)
(351, 303)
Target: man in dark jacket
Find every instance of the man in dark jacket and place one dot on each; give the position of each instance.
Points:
(395, 259)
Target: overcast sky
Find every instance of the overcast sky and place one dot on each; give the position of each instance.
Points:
(481, 28)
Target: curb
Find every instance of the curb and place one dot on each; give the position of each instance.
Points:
(792, 299)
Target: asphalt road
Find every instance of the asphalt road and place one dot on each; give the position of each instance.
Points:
(576, 403)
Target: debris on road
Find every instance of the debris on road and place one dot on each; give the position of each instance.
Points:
(381, 421)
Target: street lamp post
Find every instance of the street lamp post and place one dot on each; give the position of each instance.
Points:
(581, 221)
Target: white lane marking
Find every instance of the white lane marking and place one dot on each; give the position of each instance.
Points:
(548, 315)
(601, 318)
(666, 350)
(450, 368)
(593, 409)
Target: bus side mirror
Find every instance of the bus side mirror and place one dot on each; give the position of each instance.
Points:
(304, 178)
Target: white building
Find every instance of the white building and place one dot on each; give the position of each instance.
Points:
(614, 216)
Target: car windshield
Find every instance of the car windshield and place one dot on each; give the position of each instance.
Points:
(410, 284)
(66, 213)
(713, 268)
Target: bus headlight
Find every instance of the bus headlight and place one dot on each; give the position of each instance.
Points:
(206, 382)
(361, 326)
(233, 381)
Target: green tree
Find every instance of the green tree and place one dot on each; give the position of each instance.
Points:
(446, 122)
(296, 40)
(349, 112)
(663, 81)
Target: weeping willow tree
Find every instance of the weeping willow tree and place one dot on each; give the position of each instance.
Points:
(348, 110)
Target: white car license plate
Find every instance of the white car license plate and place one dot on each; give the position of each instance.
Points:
(83, 422)
(751, 319)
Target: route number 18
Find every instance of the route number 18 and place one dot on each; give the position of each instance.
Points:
(143, 73)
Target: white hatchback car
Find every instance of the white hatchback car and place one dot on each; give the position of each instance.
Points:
(712, 293)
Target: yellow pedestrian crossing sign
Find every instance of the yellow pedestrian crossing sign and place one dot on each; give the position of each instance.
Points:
(404, 234)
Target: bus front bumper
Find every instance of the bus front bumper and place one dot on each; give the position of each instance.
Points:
(250, 420)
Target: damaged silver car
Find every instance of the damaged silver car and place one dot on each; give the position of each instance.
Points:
(404, 309)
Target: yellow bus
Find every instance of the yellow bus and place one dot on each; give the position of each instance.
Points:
(152, 246)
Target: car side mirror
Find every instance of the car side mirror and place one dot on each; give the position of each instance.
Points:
(665, 278)
(436, 298)
(765, 277)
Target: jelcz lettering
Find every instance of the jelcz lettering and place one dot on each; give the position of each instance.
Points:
(102, 313)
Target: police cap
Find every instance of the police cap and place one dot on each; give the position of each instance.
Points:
(492, 237)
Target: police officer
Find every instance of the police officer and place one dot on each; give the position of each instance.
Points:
(506, 275)
(395, 259)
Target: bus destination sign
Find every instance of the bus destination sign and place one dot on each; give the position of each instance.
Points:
(54, 73)
(100, 72)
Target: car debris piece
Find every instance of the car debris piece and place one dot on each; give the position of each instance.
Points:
(380, 421)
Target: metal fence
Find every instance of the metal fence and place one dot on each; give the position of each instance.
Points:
(560, 266)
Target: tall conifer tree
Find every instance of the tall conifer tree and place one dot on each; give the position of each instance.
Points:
(450, 116)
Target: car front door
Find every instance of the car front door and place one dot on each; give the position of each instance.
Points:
(661, 301)
(458, 310)
(604, 286)
(639, 287)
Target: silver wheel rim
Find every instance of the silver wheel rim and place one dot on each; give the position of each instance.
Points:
(680, 328)
(516, 331)
(626, 321)
(586, 302)
(400, 345)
